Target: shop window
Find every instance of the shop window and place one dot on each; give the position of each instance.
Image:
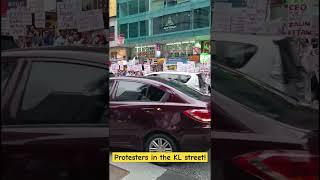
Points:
(144, 28)
(233, 54)
(133, 30)
(123, 9)
(124, 30)
(143, 6)
(157, 4)
(133, 7)
(170, 2)
(201, 18)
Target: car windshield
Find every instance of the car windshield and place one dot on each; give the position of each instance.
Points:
(184, 89)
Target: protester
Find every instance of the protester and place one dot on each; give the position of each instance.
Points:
(36, 39)
(48, 38)
(61, 39)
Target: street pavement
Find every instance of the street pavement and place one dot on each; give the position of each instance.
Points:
(150, 171)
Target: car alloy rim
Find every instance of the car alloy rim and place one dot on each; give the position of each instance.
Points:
(160, 145)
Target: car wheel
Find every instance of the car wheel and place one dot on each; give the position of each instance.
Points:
(160, 143)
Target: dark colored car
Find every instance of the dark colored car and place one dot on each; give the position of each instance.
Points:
(259, 132)
(53, 120)
(7, 42)
(154, 114)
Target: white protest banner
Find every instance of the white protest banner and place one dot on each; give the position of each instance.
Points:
(191, 67)
(114, 68)
(18, 19)
(35, 5)
(180, 67)
(238, 20)
(40, 19)
(49, 5)
(256, 16)
(65, 15)
(221, 17)
(300, 18)
(90, 20)
(147, 68)
(137, 67)
(4, 26)
(121, 67)
(130, 67)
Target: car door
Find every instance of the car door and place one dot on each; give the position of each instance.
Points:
(249, 116)
(133, 108)
(56, 120)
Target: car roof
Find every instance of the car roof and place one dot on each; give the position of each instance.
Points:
(173, 72)
(90, 54)
(155, 80)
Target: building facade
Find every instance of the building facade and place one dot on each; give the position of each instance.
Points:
(164, 28)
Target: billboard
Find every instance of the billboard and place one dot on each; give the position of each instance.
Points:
(112, 8)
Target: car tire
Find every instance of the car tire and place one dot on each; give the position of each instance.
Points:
(155, 137)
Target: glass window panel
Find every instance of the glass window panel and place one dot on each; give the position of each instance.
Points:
(133, 30)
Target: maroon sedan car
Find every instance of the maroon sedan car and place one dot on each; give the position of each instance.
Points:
(153, 114)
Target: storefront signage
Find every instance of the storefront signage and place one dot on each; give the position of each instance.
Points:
(176, 60)
(169, 25)
(121, 39)
(195, 58)
(205, 58)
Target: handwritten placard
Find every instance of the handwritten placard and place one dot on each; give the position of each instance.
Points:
(18, 19)
(65, 15)
(90, 20)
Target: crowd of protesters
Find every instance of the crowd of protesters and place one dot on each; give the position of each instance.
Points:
(51, 37)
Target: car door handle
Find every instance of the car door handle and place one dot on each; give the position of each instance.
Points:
(147, 108)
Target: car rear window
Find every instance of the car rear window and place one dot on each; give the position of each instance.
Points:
(184, 89)
(233, 54)
(178, 77)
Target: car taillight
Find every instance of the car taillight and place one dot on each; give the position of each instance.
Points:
(292, 165)
(201, 115)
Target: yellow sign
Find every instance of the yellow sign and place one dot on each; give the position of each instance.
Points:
(159, 157)
(112, 8)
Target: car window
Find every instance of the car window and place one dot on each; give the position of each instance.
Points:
(184, 78)
(110, 86)
(7, 69)
(184, 89)
(259, 99)
(202, 83)
(7, 43)
(232, 54)
(135, 91)
(61, 93)
(177, 77)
